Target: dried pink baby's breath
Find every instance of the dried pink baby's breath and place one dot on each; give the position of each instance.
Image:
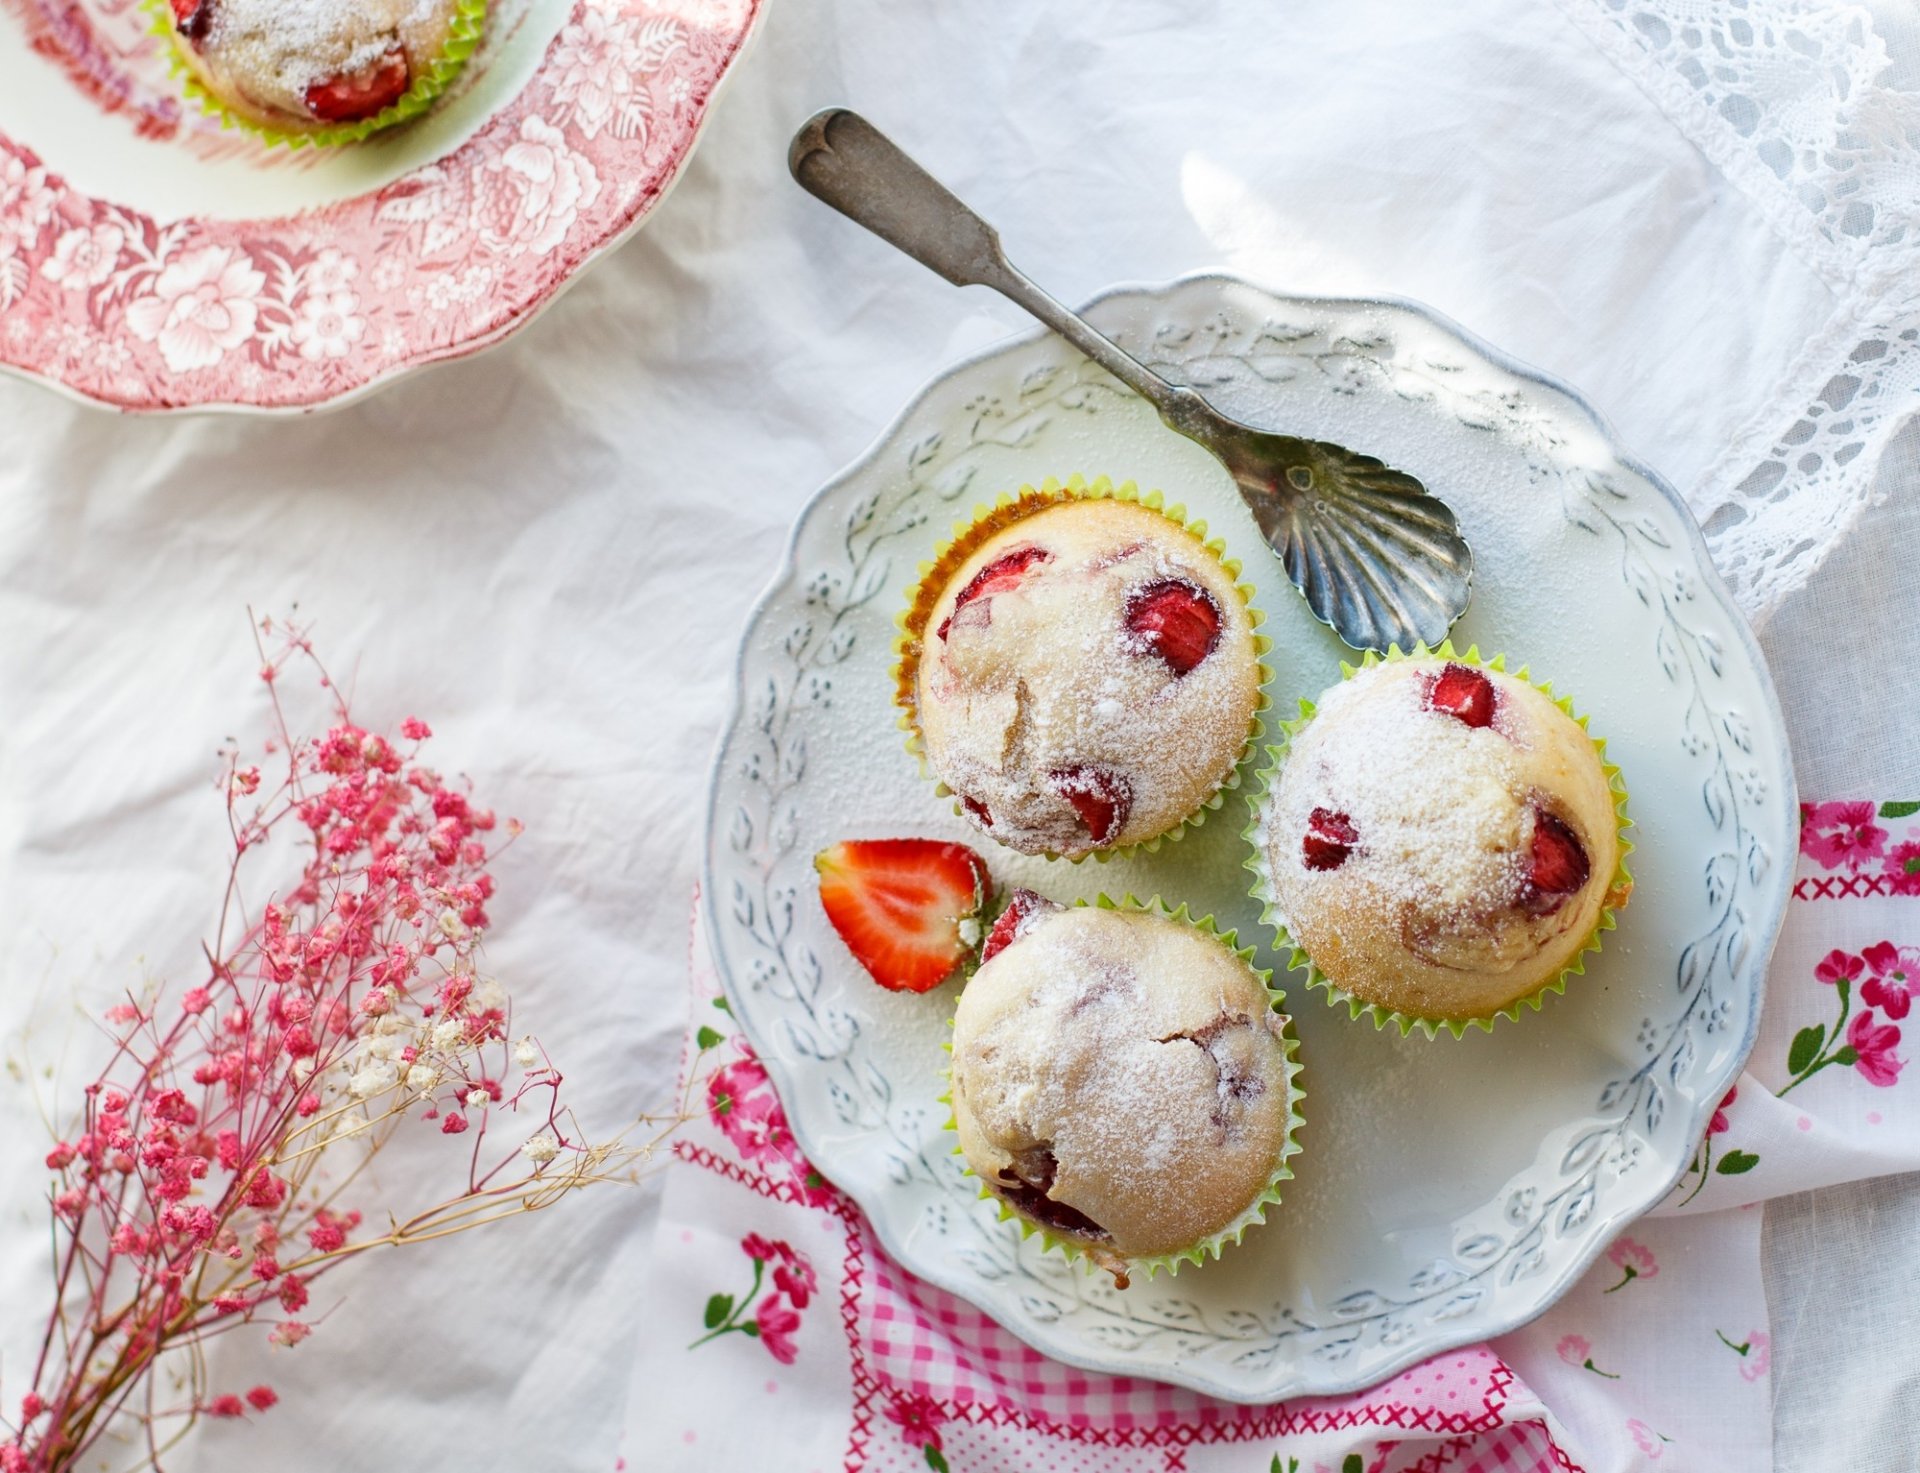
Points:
(200, 1188)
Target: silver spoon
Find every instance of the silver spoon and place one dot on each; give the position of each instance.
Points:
(1377, 556)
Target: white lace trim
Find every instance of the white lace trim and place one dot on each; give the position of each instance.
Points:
(1805, 109)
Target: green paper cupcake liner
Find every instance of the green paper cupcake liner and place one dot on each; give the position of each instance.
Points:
(1121, 1267)
(1008, 508)
(462, 38)
(1260, 860)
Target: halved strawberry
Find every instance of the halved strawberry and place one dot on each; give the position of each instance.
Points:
(1329, 840)
(1002, 575)
(1015, 921)
(1557, 865)
(360, 94)
(1464, 693)
(903, 906)
(1176, 620)
(1102, 798)
(193, 18)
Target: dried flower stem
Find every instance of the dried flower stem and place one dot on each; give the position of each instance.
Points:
(231, 1120)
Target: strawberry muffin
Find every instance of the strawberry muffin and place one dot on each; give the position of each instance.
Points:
(307, 66)
(1441, 840)
(1122, 1082)
(1081, 671)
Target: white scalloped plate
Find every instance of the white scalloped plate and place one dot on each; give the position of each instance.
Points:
(1447, 1191)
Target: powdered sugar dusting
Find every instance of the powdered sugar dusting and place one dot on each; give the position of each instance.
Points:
(1045, 678)
(1401, 842)
(1439, 807)
(1142, 1056)
(274, 50)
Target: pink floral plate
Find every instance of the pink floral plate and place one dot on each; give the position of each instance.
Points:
(151, 260)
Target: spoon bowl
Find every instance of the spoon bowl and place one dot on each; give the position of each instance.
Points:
(1377, 557)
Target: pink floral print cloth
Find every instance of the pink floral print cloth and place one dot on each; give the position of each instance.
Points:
(806, 1348)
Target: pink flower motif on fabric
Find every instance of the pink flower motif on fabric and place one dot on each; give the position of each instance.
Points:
(1646, 1439)
(1903, 868)
(741, 1102)
(1719, 1124)
(1577, 1350)
(1841, 834)
(1837, 965)
(1634, 1260)
(920, 1419)
(1896, 974)
(776, 1322)
(775, 1318)
(1873, 1047)
(202, 307)
(1868, 1042)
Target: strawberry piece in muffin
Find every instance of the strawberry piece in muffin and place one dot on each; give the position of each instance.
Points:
(361, 94)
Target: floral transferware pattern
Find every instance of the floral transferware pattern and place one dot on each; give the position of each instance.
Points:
(120, 307)
(807, 667)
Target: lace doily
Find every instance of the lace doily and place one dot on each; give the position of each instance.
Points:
(1813, 110)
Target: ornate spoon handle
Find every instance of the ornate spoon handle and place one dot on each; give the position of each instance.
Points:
(844, 161)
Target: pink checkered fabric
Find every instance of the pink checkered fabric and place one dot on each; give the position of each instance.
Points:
(923, 1341)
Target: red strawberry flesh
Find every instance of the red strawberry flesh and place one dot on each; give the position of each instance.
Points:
(193, 18)
(360, 94)
(1002, 575)
(1329, 840)
(1176, 620)
(982, 815)
(1463, 693)
(899, 904)
(1557, 864)
(1014, 921)
(1101, 798)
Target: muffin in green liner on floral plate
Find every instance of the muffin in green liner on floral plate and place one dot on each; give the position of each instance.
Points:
(1439, 841)
(318, 72)
(1123, 1082)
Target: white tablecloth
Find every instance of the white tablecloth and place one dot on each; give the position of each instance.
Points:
(549, 550)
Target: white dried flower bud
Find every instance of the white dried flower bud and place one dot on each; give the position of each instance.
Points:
(541, 1148)
(449, 1034)
(422, 1077)
(478, 1098)
(382, 1046)
(490, 997)
(526, 1053)
(374, 1077)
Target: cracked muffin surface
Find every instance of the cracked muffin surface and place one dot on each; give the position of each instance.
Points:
(1120, 1077)
(1442, 838)
(1087, 677)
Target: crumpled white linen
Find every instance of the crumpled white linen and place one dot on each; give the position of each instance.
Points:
(548, 552)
